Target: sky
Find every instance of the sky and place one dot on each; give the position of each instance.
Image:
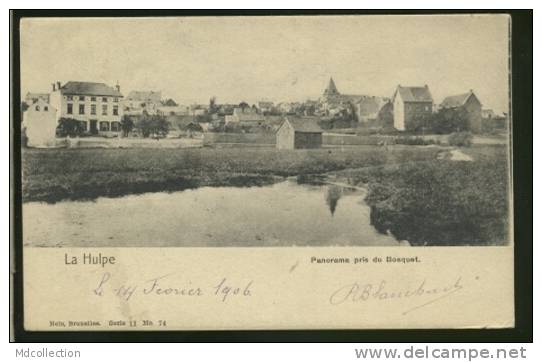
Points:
(272, 58)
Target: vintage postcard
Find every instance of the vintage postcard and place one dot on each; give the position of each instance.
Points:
(266, 172)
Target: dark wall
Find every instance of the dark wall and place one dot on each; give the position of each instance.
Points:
(308, 140)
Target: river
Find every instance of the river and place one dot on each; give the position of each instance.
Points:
(282, 214)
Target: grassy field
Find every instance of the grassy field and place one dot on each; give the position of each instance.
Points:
(56, 174)
(441, 202)
(416, 193)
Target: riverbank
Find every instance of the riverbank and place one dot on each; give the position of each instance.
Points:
(425, 195)
(440, 202)
(52, 175)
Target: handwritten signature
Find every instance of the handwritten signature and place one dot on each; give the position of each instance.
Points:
(161, 286)
(362, 292)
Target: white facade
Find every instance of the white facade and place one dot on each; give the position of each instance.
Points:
(98, 114)
(399, 113)
(39, 124)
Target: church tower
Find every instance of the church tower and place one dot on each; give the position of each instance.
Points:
(331, 89)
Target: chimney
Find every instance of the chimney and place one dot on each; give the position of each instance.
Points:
(58, 85)
(54, 86)
(118, 86)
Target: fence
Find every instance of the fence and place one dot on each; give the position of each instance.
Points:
(99, 142)
(254, 139)
(241, 138)
(352, 140)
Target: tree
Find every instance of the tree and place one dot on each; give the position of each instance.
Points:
(344, 118)
(309, 110)
(169, 103)
(193, 127)
(213, 107)
(153, 126)
(69, 127)
(420, 123)
(244, 105)
(126, 124)
(24, 106)
(385, 116)
(448, 120)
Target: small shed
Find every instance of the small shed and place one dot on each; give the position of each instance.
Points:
(297, 133)
(39, 124)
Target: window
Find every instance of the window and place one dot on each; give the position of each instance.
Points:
(81, 98)
(37, 108)
(104, 126)
(70, 98)
(116, 100)
(92, 109)
(104, 99)
(93, 99)
(104, 110)
(83, 125)
(115, 126)
(70, 108)
(81, 109)
(426, 108)
(115, 110)
(46, 108)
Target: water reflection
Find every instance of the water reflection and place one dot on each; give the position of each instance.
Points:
(333, 195)
(281, 214)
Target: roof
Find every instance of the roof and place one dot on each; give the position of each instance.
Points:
(181, 120)
(89, 88)
(36, 96)
(304, 124)
(247, 117)
(353, 98)
(145, 96)
(456, 100)
(274, 120)
(414, 94)
(370, 106)
(40, 102)
(331, 88)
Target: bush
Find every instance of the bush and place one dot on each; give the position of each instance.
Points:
(153, 126)
(69, 127)
(126, 125)
(442, 202)
(448, 120)
(460, 139)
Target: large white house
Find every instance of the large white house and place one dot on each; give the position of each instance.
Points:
(39, 124)
(96, 106)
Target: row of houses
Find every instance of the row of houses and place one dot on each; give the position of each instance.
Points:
(407, 104)
(99, 108)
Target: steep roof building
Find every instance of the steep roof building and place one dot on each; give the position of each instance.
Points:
(411, 104)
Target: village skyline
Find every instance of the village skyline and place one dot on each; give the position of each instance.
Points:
(364, 55)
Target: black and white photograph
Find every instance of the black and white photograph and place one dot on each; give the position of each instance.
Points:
(268, 131)
(254, 171)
